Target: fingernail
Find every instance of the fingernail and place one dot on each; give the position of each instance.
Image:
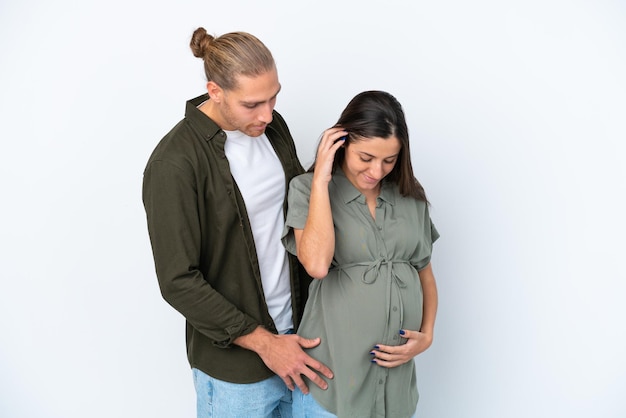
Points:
(376, 347)
(402, 332)
(372, 353)
(373, 360)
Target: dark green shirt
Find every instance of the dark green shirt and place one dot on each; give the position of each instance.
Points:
(204, 251)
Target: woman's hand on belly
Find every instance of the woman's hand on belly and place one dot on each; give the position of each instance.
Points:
(397, 355)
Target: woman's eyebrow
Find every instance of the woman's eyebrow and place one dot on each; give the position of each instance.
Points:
(373, 156)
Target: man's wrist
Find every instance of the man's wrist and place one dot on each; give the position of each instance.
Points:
(255, 341)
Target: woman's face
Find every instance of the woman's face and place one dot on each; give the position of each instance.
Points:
(368, 160)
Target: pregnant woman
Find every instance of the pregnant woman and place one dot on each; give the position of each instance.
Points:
(359, 223)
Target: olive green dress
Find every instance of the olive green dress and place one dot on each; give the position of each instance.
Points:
(371, 292)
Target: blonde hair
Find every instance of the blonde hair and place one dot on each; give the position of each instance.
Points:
(231, 55)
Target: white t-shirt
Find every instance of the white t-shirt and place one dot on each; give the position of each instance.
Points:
(261, 180)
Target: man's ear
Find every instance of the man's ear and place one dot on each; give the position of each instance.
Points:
(215, 91)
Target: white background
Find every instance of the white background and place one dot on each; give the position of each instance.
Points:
(516, 111)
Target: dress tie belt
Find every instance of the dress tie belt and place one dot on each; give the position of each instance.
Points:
(372, 272)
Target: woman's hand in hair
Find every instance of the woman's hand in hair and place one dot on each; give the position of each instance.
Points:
(331, 141)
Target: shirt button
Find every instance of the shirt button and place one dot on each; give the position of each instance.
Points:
(395, 308)
(380, 382)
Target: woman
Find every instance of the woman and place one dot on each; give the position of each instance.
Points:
(359, 222)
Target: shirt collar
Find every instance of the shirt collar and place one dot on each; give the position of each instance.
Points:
(349, 193)
(205, 125)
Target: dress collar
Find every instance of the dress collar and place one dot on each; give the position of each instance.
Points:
(349, 193)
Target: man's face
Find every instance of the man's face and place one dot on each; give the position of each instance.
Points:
(249, 107)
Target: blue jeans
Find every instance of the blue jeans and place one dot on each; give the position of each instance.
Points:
(270, 398)
(305, 406)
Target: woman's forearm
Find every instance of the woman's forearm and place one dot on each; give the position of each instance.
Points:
(429, 289)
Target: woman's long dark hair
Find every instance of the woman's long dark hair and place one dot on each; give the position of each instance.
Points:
(377, 114)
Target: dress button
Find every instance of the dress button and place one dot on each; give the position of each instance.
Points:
(395, 308)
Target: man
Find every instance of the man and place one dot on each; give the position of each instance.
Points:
(214, 192)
